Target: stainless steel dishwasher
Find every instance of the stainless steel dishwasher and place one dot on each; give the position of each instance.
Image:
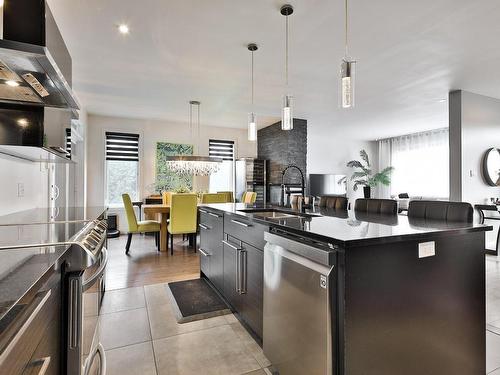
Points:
(299, 295)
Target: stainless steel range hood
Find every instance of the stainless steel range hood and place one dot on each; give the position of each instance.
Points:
(35, 65)
(36, 99)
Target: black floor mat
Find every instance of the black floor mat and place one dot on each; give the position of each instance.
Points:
(196, 300)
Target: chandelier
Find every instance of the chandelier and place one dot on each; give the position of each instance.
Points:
(190, 164)
(194, 165)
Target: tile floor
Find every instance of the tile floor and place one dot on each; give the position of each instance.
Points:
(492, 315)
(153, 343)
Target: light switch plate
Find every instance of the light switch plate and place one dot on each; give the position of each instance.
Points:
(20, 189)
(426, 249)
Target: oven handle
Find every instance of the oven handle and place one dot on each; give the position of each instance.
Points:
(90, 282)
(90, 360)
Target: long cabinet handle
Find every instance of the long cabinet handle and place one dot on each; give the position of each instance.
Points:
(203, 252)
(203, 226)
(243, 271)
(231, 245)
(238, 275)
(214, 215)
(74, 313)
(241, 223)
(203, 211)
(25, 326)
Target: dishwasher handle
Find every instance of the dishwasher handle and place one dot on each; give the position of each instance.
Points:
(317, 252)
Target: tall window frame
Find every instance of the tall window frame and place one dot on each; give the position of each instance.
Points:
(122, 167)
(223, 180)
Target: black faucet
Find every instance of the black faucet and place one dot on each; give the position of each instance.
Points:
(283, 185)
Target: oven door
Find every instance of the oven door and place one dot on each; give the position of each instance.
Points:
(93, 356)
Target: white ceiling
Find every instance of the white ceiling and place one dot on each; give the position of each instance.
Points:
(410, 54)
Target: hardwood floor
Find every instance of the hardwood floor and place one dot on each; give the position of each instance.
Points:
(144, 265)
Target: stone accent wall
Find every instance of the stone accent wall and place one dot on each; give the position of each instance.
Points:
(283, 148)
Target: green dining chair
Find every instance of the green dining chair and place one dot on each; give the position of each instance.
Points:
(249, 197)
(229, 196)
(214, 198)
(183, 217)
(134, 226)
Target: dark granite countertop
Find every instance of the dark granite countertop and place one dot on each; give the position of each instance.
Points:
(20, 270)
(38, 234)
(347, 228)
(48, 215)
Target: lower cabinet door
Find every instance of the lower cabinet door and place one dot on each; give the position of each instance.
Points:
(217, 264)
(252, 298)
(231, 275)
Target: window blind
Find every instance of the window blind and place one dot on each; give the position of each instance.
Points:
(68, 143)
(221, 149)
(122, 146)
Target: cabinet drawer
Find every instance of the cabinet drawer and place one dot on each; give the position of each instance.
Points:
(245, 230)
(35, 326)
(211, 218)
(211, 256)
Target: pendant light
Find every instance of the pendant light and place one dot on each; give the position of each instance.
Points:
(287, 110)
(347, 71)
(190, 164)
(252, 118)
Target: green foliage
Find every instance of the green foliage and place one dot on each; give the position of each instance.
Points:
(121, 177)
(364, 177)
(167, 180)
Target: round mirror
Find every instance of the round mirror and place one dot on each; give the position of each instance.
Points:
(491, 167)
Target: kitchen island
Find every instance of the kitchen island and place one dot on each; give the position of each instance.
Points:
(403, 296)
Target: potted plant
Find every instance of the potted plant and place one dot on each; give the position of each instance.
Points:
(363, 175)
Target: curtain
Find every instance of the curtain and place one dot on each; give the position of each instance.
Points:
(384, 161)
(421, 163)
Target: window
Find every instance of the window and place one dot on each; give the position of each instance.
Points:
(122, 167)
(420, 164)
(223, 180)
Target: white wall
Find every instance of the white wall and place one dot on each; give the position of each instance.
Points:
(328, 151)
(151, 132)
(34, 177)
(474, 128)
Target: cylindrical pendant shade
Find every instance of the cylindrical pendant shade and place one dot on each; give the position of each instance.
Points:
(287, 113)
(347, 84)
(252, 127)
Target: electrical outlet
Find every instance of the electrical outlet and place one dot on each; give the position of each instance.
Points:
(20, 189)
(426, 249)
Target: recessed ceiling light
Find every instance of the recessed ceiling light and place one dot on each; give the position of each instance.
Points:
(23, 122)
(123, 28)
(12, 83)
